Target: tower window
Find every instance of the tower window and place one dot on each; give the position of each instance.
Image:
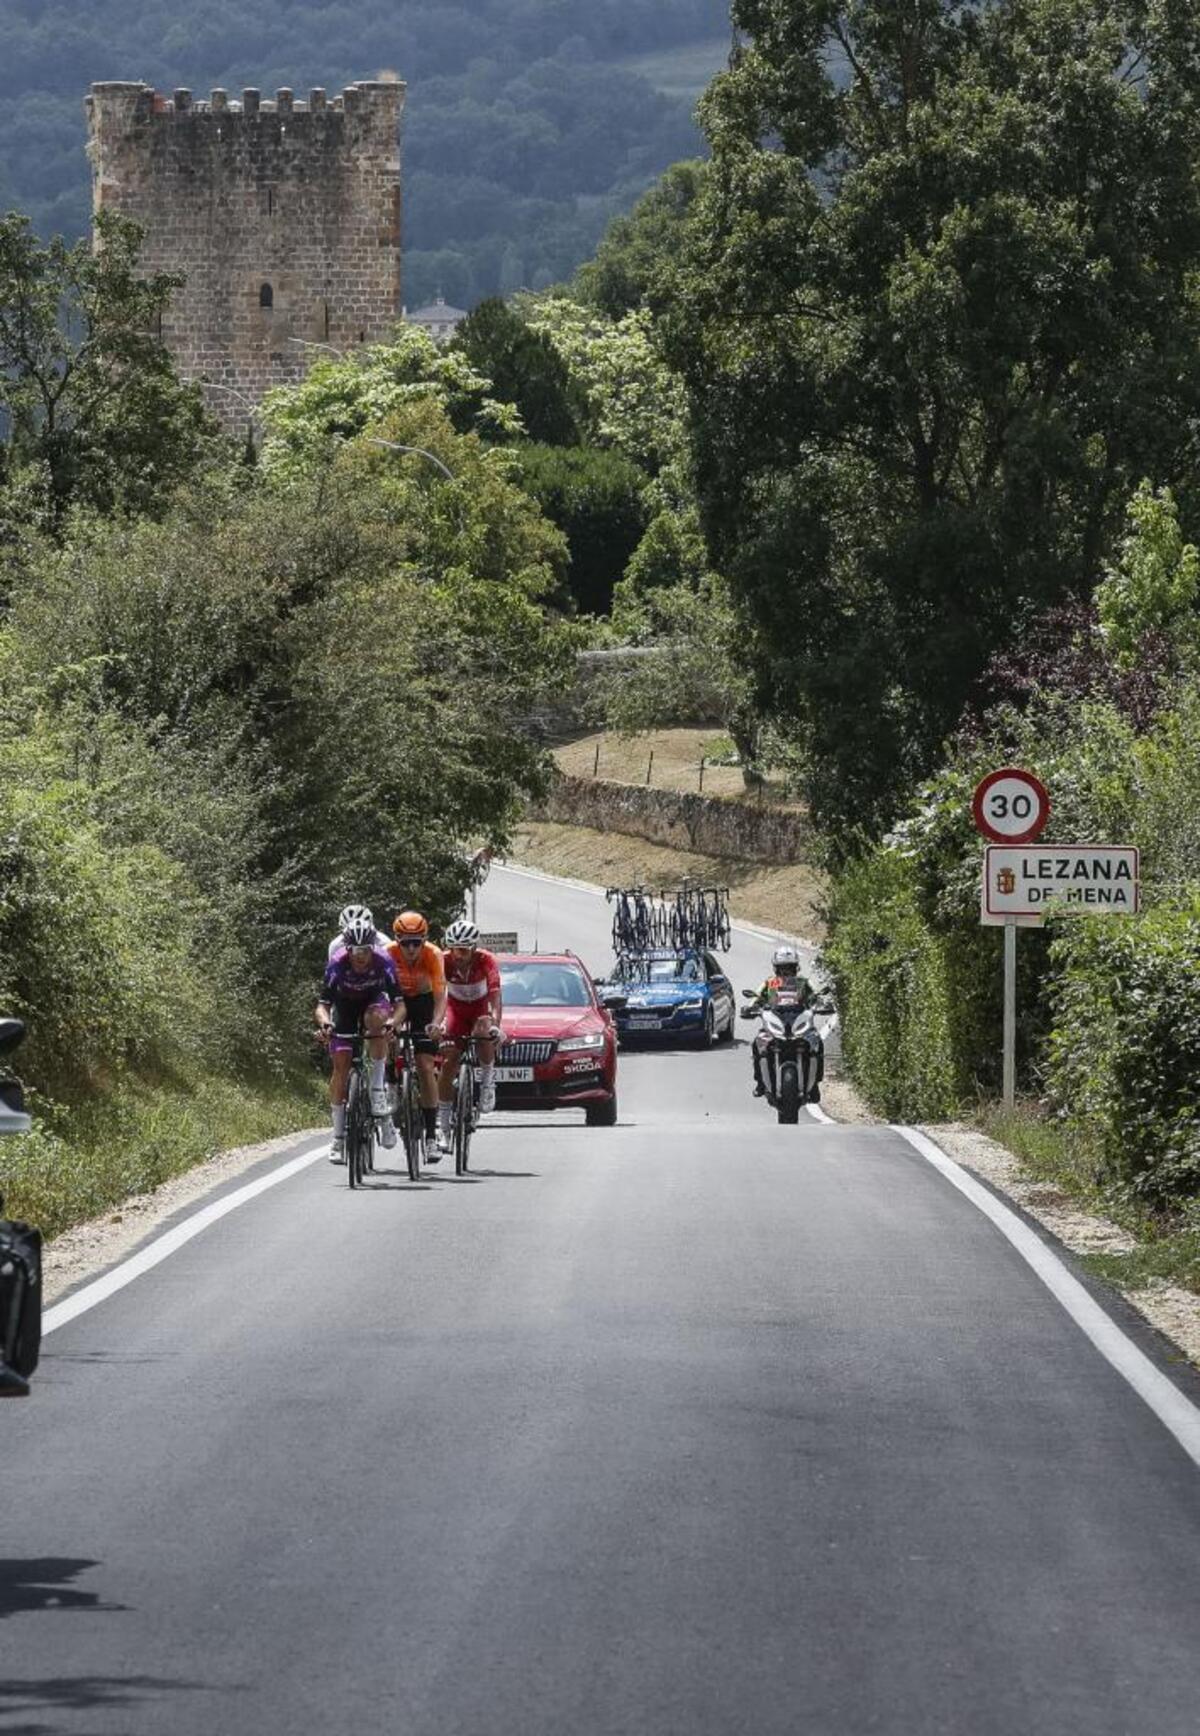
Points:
(266, 296)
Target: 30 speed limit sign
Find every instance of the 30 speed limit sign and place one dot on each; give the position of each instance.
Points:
(1011, 806)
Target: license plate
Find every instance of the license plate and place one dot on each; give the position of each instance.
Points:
(643, 1022)
(514, 1075)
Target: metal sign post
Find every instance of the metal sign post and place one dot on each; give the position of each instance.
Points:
(1010, 1014)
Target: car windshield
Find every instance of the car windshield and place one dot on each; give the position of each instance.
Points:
(661, 970)
(543, 985)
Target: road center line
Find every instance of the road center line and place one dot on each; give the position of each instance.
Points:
(1172, 1408)
(165, 1245)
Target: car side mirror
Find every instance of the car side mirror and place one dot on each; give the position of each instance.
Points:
(614, 1001)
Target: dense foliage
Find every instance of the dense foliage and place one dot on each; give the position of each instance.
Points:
(526, 128)
(1108, 1008)
(94, 412)
(938, 317)
(293, 686)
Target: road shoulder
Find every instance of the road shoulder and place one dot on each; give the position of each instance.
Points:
(93, 1247)
(1172, 1311)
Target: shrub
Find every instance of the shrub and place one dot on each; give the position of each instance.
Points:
(914, 1002)
(1124, 1054)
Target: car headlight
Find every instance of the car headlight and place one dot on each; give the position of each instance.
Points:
(693, 1006)
(593, 1040)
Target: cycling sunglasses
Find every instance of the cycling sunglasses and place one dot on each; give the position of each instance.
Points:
(411, 940)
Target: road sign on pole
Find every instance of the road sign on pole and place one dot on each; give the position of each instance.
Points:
(1067, 879)
(1011, 806)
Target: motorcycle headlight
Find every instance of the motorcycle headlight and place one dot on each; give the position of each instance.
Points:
(570, 1045)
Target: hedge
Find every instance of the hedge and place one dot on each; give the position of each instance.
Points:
(1124, 1053)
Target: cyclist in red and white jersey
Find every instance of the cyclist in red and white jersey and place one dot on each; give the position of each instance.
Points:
(473, 1007)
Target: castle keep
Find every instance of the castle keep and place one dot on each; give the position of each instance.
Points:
(283, 216)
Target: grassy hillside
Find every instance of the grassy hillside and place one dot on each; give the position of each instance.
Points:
(529, 125)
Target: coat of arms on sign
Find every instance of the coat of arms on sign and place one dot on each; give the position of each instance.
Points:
(1006, 881)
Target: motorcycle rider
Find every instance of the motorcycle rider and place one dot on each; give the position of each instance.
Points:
(787, 979)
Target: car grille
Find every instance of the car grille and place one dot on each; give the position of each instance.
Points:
(525, 1054)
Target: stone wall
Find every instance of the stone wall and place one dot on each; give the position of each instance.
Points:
(283, 216)
(709, 825)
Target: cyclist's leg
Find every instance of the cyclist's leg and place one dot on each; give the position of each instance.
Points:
(420, 1013)
(457, 1031)
(341, 1046)
(485, 1048)
(375, 1020)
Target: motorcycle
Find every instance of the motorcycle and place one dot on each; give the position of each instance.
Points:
(20, 1255)
(790, 1050)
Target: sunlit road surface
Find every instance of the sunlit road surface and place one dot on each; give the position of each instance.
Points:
(696, 1425)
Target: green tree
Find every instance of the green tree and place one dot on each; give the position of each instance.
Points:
(1154, 583)
(96, 415)
(937, 317)
(595, 499)
(525, 370)
(628, 264)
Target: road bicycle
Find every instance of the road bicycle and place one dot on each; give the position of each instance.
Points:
(465, 1107)
(360, 1122)
(409, 1116)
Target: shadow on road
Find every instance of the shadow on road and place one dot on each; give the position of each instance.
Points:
(28, 1698)
(42, 1583)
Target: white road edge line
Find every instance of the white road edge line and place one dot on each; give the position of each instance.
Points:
(1175, 1411)
(155, 1252)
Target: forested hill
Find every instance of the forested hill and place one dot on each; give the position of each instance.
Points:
(530, 122)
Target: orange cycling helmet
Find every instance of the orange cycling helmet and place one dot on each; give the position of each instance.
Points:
(411, 925)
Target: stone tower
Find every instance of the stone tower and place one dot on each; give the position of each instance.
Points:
(283, 216)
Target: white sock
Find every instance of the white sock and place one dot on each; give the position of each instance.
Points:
(377, 1075)
(444, 1110)
(487, 1076)
(339, 1120)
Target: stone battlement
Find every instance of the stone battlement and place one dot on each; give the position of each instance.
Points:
(116, 102)
(282, 216)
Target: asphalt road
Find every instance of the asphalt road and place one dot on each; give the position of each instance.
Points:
(698, 1425)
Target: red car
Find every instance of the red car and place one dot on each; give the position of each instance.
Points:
(560, 1047)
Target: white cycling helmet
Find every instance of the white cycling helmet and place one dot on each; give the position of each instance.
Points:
(462, 933)
(785, 958)
(359, 931)
(355, 913)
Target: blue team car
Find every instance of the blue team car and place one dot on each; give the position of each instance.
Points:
(667, 992)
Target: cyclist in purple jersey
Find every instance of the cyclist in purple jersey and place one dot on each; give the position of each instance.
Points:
(358, 992)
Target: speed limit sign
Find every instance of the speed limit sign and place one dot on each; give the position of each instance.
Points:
(1011, 806)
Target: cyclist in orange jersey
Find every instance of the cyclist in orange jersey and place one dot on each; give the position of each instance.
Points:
(422, 978)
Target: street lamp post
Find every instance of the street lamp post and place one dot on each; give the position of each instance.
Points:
(309, 344)
(395, 446)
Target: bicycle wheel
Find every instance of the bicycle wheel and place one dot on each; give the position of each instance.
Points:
(354, 1111)
(464, 1116)
(414, 1125)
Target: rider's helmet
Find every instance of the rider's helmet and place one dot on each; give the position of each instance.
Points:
(410, 925)
(353, 913)
(464, 932)
(786, 961)
(359, 931)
